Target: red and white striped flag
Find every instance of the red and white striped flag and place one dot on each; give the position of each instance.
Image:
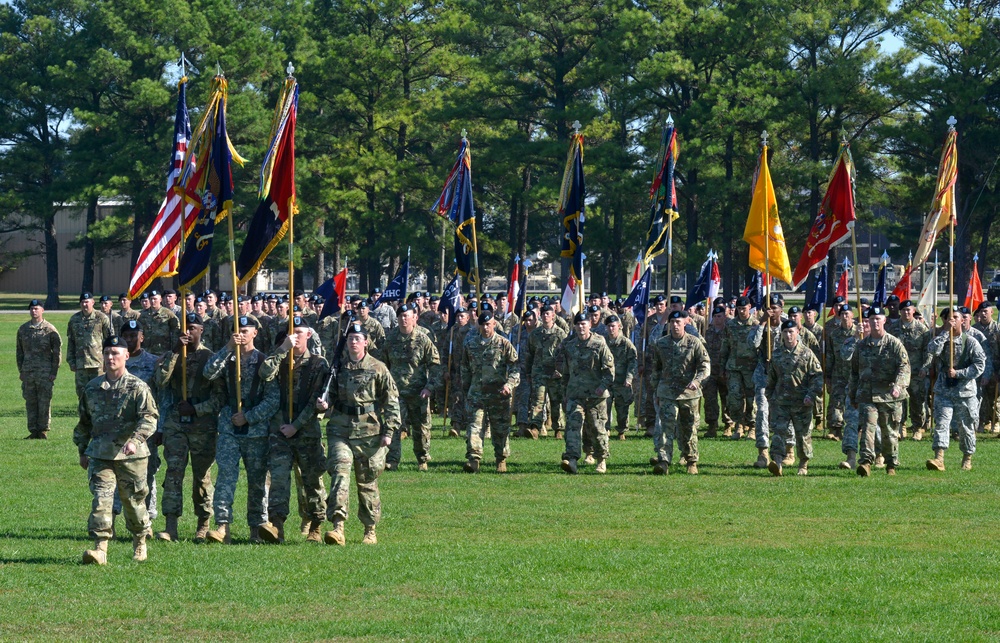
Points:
(514, 289)
(637, 273)
(161, 252)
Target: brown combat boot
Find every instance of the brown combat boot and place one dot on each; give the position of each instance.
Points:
(937, 462)
(558, 435)
(315, 535)
(472, 466)
(728, 433)
(762, 459)
(336, 535)
(98, 555)
(369, 537)
(775, 468)
(221, 534)
(751, 433)
(621, 436)
(272, 533)
(532, 433)
(880, 461)
(589, 459)
(422, 466)
(864, 470)
(967, 462)
(501, 466)
(453, 432)
(170, 533)
(803, 468)
(918, 434)
(692, 468)
(569, 466)
(139, 547)
(602, 466)
(392, 466)
(903, 433)
(201, 532)
(851, 462)
(789, 458)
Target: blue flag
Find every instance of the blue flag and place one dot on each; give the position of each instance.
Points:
(755, 290)
(638, 299)
(451, 299)
(572, 199)
(819, 288)
(700, 291)
(455, 203)
(396, 290)
(879, 298)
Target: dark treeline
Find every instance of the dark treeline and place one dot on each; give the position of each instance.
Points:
(88, 90)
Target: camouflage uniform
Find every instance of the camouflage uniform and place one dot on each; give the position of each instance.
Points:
(456, 390)
(915, 337)
(111, 414)
(143, 365)
(714, 388)
(118, 320)
(190, 436)
(989, 408)
(792, 375)
(838, 375)
(763, 413)
(646, 413)
(956, 406)
(303, 452)
(849, 438)
(589, 365)
(364, 409)
(160, 330)
(426, 320)
(85, 335)
(415, 365)
(488, 365)
(385, 316)
(878, 367)
(248, 442)
(328, 332)
(628, 323)
(38, 352)
(541, 364)
(621, 393)
(676, 364)
(376, 335)
(522, 396)
(563, 322)
(740, 358)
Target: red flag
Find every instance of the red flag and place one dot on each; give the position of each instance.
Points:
(904, 285)
(514, 291)
(974, 296)
(841, 291)
(833, 223)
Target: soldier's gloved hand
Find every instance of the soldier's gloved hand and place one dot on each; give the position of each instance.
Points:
(186, 409)
(288, 430)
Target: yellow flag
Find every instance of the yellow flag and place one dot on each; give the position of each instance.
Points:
(763, 231)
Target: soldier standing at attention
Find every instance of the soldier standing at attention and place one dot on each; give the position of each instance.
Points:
(160, 326)
(740, 360)
(117, 416)
(680, 364)
(363, 411)
(415, 366)
(242, 434)
(190, 431)
(794, 380)
(714, 387)
(626, 365)
(39, 351)
(489, 367)
(880, 373)
(588, 362)
(960, 361)
(546, 382)
(296, 441)
(85, 334)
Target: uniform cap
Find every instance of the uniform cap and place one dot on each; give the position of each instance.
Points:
(356, 328)
(984, 306)
(548, 309)
(132, 326)
(302, 322)
(114, 341)
(194, 320)
(775, 299)
(813, 307)
(719, 310)
(906, 303)
(35, 302)
(613, 319)
(529, 313)
(579, 317)
(153, 293)
(593, 309)
(676, 299)
(742, 301)
(86, 295)
(874, 311)
(246, 321)
(659, 299)
(788, 323)
(105, 298)
(485, 317)
(892, 299)
(794, 310)
(406, 308)
(144, 295)
(678, 314)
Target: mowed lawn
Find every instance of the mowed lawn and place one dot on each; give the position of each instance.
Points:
(731, 554)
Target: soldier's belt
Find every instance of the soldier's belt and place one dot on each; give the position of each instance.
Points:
(354, 410)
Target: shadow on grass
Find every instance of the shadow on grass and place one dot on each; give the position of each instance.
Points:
(9, 534)
(40, 560)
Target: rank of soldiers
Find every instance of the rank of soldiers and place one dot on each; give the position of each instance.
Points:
(237, 382)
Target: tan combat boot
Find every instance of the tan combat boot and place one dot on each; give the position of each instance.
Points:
(803, 468)
(864, 470)
(170, 533)
(304, 526)
(369, 537)
(335, 536)
(98, 555)
(220, 535)
(543, 432)
(139, 547)
(272, 533)
(692, 468)
(751, 433)
(602, 466)
(569, 466)
(851, 462)
(789, 458)
(201, 532)
(422, 466)
(558, 435)
(453, 432)
(589, 459)
(880, 461)
(501, 466)
(762, 459)
(918, 434)
(903, 433)
(775, 468)
(621, 436)
(314, 535)
(532, 433)
(967, 462)
(937, 462)
(728, 433)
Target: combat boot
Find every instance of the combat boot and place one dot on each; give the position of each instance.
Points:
(569, 466)
(558, 435)
(336, 535)
(937, 462)
(472, 466)
(728, 433)
(532, 433)
(648, 433)
(789, 458)
(712, 432)
(803, 468)
(902, 433)
(255, 538)
(170, 533)
(453, 432)
(918, 434)
(775, 468)
(602, 466)
(621, 436)
(762, 459)
(851, 461)
(139, 547)
(967, 462)
(692, 468)
(737, 433)
(522, 431)
(272, 533)
(369, 537)
(880, 461)
(220, 535)
(501, 466)
(315, 535)
(543, 432)
(202, 530)
(391, 466)
(661, 467)
(422, 466)
(864, 470)
(589, 459)
(751, 433)
(98, 555)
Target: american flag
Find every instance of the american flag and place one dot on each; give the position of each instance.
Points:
(161, 252)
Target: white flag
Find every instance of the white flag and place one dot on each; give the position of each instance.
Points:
(569, 301)
(926, 303)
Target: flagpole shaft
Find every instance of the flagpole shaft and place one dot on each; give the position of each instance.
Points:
(291, 316)
(670, 254)
(767, 268)
(236, 316)
(447, 379)
(857, 272)
(184, 350)
(951, 289)
(520, 325)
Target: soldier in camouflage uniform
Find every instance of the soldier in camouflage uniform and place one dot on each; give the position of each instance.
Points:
(651, 331)
(296, 441)
(770, 324)
(489, 368)
(915, 336)
(117, 416)
(522, 396)
(106, 304)
(453, 350)
(680, 365)
(38, 353)
(415, 365)
(160, 326)
(142, 364)
(838, 372)
(794, 379)
(546, 382)
(376, 334)
(626, 367)
(383, 313)
(125, 312)
(740, 360)
(849, 438)
(243, 434)
(596, 317)
(960, 361)
(363, 409)
(880, 373)
(989, 408)
(585, 358)
(715, 388)
(190, 431)
(85, 334)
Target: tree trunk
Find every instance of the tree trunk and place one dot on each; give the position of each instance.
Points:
(320, 254)
(88, 247)
(51, 263)
(728, 272)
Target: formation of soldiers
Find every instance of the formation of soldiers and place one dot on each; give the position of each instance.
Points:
(229, 383)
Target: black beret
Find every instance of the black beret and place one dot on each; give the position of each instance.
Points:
(864, 301)
(874, 311)
(246, 321)
(35, 302)
(529, 313)
(579, 317)
(407, 307)
(964, 310)
(487, 305)
(719, 310)
(114, 341)
(813, 307)
(906, 303)
(301, 322)
(659, 299)
(105, 298)
(788, 323)
(775, 298)
(593, 309)
(86, 295)
(678, 314)
(548, 309)
(357, 328)
(892, 298)
(124, 295)
(843, 308)
(985, 306)
(794, 310)
(132, 326)
(194, 319)
(613, 319)
(676, 299)
(485, 316)
(376, 291)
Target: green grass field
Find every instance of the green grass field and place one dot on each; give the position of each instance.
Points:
(731, 554)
